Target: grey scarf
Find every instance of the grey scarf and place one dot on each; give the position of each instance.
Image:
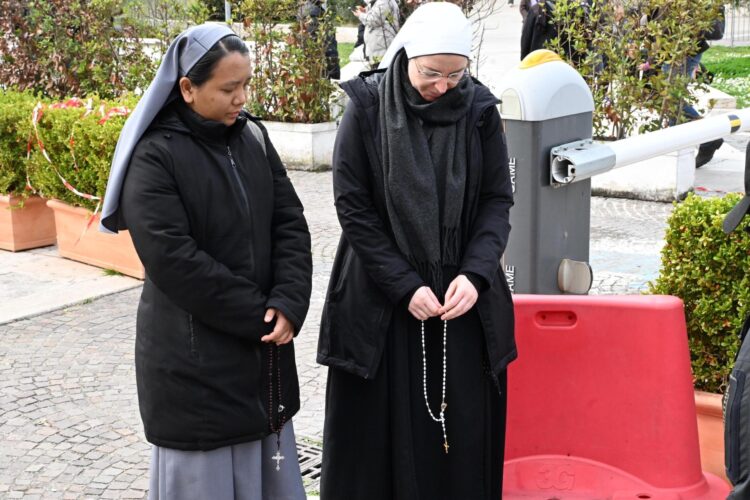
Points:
(424, 161)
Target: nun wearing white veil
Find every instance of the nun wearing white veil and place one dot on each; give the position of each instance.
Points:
(226, 249)
(417, 327)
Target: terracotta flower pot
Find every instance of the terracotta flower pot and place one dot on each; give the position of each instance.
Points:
(90, 246)
(711, 432)
(29, 226)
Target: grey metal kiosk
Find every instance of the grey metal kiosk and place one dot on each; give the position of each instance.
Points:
(545, 103)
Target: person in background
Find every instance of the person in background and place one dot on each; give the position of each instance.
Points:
(381, 21)
(360, 35)
(707, 149)
(417, 326)
(310, 13)
(538, 27)
(525, 6)
(223, 239)
(690, 67)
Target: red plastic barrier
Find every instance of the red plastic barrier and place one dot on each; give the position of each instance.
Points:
(600, 402)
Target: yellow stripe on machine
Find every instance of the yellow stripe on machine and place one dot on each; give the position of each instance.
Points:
(735, 123)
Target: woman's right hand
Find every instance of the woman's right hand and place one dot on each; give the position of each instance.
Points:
(283, 331)
(424, 304)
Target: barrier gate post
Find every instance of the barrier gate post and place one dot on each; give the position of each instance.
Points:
(545, 103)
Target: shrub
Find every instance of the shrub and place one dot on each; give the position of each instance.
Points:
(79, 139)
(15, 132)
(343, 10)
(71, 47)
(214, 9)
(708, 270)
(163, 20)
(289, 81)
(607, 42)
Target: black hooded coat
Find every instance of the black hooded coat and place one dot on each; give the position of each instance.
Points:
(222, 236)
(370, 276)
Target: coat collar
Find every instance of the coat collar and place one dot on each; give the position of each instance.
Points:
(178, 117)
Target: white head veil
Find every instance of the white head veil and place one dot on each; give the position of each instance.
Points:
(434, 28)
(186, 50)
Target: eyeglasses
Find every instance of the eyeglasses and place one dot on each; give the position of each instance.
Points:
(434, 76)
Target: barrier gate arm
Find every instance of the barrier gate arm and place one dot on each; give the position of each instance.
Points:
(583, 159)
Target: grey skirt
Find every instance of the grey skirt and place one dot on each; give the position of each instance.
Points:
(244, 471)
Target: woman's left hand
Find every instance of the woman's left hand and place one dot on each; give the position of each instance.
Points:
(283, 332)
(460, 297)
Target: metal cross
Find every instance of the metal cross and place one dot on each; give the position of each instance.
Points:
(278, 457)
(445, 445)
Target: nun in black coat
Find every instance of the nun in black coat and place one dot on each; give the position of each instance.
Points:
(417, 327)
(226, 249)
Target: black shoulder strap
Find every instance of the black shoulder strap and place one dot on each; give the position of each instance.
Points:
(745, 328)
(258, 134)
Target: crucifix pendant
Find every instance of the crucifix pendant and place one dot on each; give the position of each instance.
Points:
(279, 457)
(445, 445)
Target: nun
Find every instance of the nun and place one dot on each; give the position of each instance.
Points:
(417, 326)
(226, 249)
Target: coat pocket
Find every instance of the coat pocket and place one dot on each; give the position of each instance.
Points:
(344, 271)
(355, 321)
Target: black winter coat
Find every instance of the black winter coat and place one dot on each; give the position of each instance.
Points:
(537, 28)
(370, 276)
(222, 236)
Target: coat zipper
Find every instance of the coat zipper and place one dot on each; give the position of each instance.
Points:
(238, 179)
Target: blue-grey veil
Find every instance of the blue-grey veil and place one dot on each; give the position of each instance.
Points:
(186, 50)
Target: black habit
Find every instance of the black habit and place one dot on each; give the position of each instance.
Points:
(379, 441)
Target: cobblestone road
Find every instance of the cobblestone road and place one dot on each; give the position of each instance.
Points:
(69, 426)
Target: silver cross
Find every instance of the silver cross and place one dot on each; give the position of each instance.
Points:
(278, 457)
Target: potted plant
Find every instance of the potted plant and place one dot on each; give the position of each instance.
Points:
(25, 220)
(73, 143)
(633, 60)
(290, 90)
(708, 270)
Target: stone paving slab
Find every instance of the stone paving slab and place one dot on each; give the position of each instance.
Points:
(725, 173)
(70, 424)
(38, 281)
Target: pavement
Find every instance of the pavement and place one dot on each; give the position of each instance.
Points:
(69, 426)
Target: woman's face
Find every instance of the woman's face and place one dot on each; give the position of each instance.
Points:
(435, 75)
(221, 97)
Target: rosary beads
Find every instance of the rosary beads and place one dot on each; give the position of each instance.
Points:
(273, 355)
(443, 404)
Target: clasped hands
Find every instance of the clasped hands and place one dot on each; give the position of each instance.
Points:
(460, 297)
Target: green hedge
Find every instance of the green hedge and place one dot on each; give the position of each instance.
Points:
(15, 130)
(80, 146)
(708, 270)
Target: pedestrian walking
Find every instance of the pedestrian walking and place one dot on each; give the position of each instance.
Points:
(226, 249)
(417, 326)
